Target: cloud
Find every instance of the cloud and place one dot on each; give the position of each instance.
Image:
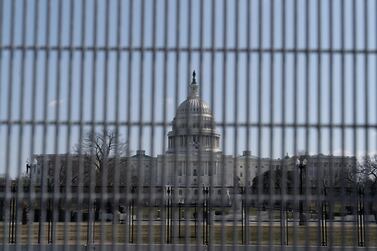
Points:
(55, 103)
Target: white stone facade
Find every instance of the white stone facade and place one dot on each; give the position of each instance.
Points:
(194, 159)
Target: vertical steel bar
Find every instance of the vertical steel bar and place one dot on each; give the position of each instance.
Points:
(307, 132)
(60, 183)
(343, 184)
(224, 118)
(247, 185)
(129, 108)
(153, 181)
(284, 165)
(164, 110)
(354, 113)
(20, 184)
(69, 170)
(331, 190)
(44, 140)
(271, 118)
(236, 180)
(92, 204)
(81, 179)
(176, 196)
(260, 69)
(297, 194)
(58, 170)
(200, 157)
(188, 159)
(119, 163)
(366, 116)
(8, 140)
(106, 133)
(140, 163)
(320, 196)
(31, 194)
(212, 162)
(4, 208)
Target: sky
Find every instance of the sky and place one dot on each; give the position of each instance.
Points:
(67, 62)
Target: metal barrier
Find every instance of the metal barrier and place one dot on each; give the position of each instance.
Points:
(107, 140)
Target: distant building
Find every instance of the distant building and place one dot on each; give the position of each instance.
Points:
(194, 160)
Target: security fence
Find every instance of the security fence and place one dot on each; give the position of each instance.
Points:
(188, 125)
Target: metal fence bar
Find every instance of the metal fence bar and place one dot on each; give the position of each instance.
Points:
(282, 76)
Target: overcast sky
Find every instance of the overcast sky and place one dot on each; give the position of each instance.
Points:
(242, 85)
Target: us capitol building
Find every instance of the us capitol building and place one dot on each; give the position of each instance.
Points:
(194, 160)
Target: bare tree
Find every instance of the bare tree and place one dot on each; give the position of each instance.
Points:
(104, 150)
(368, 176)
(368, 170)
(104, 146)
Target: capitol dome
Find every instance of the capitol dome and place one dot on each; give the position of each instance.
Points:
(193, 106)
(193, 125)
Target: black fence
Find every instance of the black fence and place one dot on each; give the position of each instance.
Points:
(198, 221)
(192, 124)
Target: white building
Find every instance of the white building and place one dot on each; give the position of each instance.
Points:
(194, 159)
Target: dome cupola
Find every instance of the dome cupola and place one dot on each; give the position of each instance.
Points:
(193, 124)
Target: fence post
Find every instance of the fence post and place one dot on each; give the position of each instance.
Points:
(323, 219)
(361, 218)
(282, 225)
(287, 224)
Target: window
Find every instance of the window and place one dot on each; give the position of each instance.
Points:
(186, 168)
(214, 169)
(195, 173)
(205, 168)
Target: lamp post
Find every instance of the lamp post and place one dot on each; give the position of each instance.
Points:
(49, 213)
(205, 215)
(179, 218)
(132, 209)
(301, 164)
(323, 217)
(360, 217)
(168, 222)
(243, 214)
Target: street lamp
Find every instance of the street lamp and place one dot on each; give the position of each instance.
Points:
(169, 192)
(323, 216)
(301, 164)
(243, 214)
(360, 217)
(206, 213)
(132, 211)
(180, 203)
